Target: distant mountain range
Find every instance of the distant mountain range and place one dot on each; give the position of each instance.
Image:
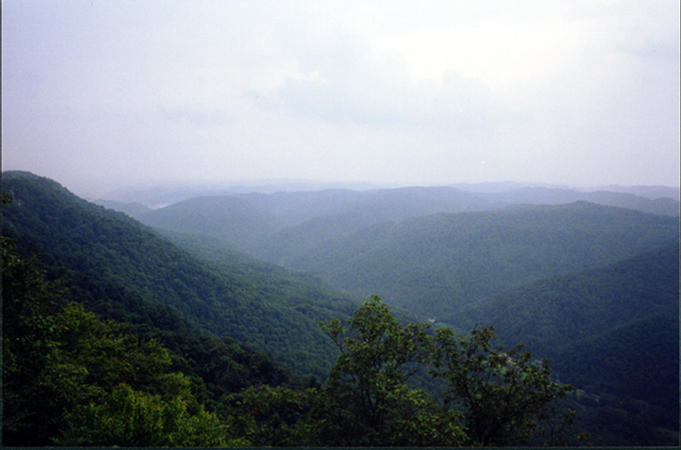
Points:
(164, 195)
(438, 264)
(304, 219)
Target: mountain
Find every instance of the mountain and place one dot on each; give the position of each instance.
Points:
(563, 309)
(91, 247)
(281, 227)
(133, 209)
(370, 207)
(322, 219)
(612, 329)
(439, 265)
(505, 187)
(551, 196)
(258, 223)
(632, 374)
(227, 218)
(651, 192)
(160, 195)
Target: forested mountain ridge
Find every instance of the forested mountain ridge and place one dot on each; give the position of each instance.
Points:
(668, 206)
(559, 310)
(133, 209)
(298, 241)
(438, 265)
(276, 226)
(82, 242)
(371, 206)
(613, 330)
(255, 222)
(296, 206)
(227, 218)
(70, 379)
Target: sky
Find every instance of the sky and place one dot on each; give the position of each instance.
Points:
(99, 94)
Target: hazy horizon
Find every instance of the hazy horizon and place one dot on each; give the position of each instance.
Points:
(126, 192)
(102, 95)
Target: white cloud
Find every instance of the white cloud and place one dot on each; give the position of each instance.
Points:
(392, 90)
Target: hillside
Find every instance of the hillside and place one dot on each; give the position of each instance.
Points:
(632, 373)
(371, 206)
(257, 222)
(282, 226)
(133, 209)
(604, 329)
(88, 245)
(551, 313)
(550, 196)
(292, 206)
(227, 218)
(440, 265)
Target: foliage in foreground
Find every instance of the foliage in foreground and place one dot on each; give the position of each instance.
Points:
(494, 397)
(72, 379)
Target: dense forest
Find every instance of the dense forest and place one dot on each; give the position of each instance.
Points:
(238, 320)
(72, 379)
(107, 258)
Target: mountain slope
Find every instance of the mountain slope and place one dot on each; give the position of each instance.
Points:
(560, 310)
(252, 222)
(372, 206)
(83, 242)
(227, 218)
(438, 265)
(280, 227)
(550, 196)
(633, 370)
(637, 360)
(605, 328)
(611, 330)
(133, 209)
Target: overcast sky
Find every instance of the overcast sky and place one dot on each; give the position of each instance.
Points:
(102, 93)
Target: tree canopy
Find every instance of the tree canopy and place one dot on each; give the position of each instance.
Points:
(493, 396)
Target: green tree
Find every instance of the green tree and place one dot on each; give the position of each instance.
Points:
(366, 396)
(114, 388)
(71, 379)
(266, 416)
(506, 397)
(28, 345)
(138, 419)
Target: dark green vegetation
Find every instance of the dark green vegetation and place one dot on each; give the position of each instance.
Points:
(440, 264)
(72, 379)
(567, 309)
(611, 330)
(109, 260)
(593, 288)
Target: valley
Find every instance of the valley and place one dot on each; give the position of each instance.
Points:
(240, 282)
